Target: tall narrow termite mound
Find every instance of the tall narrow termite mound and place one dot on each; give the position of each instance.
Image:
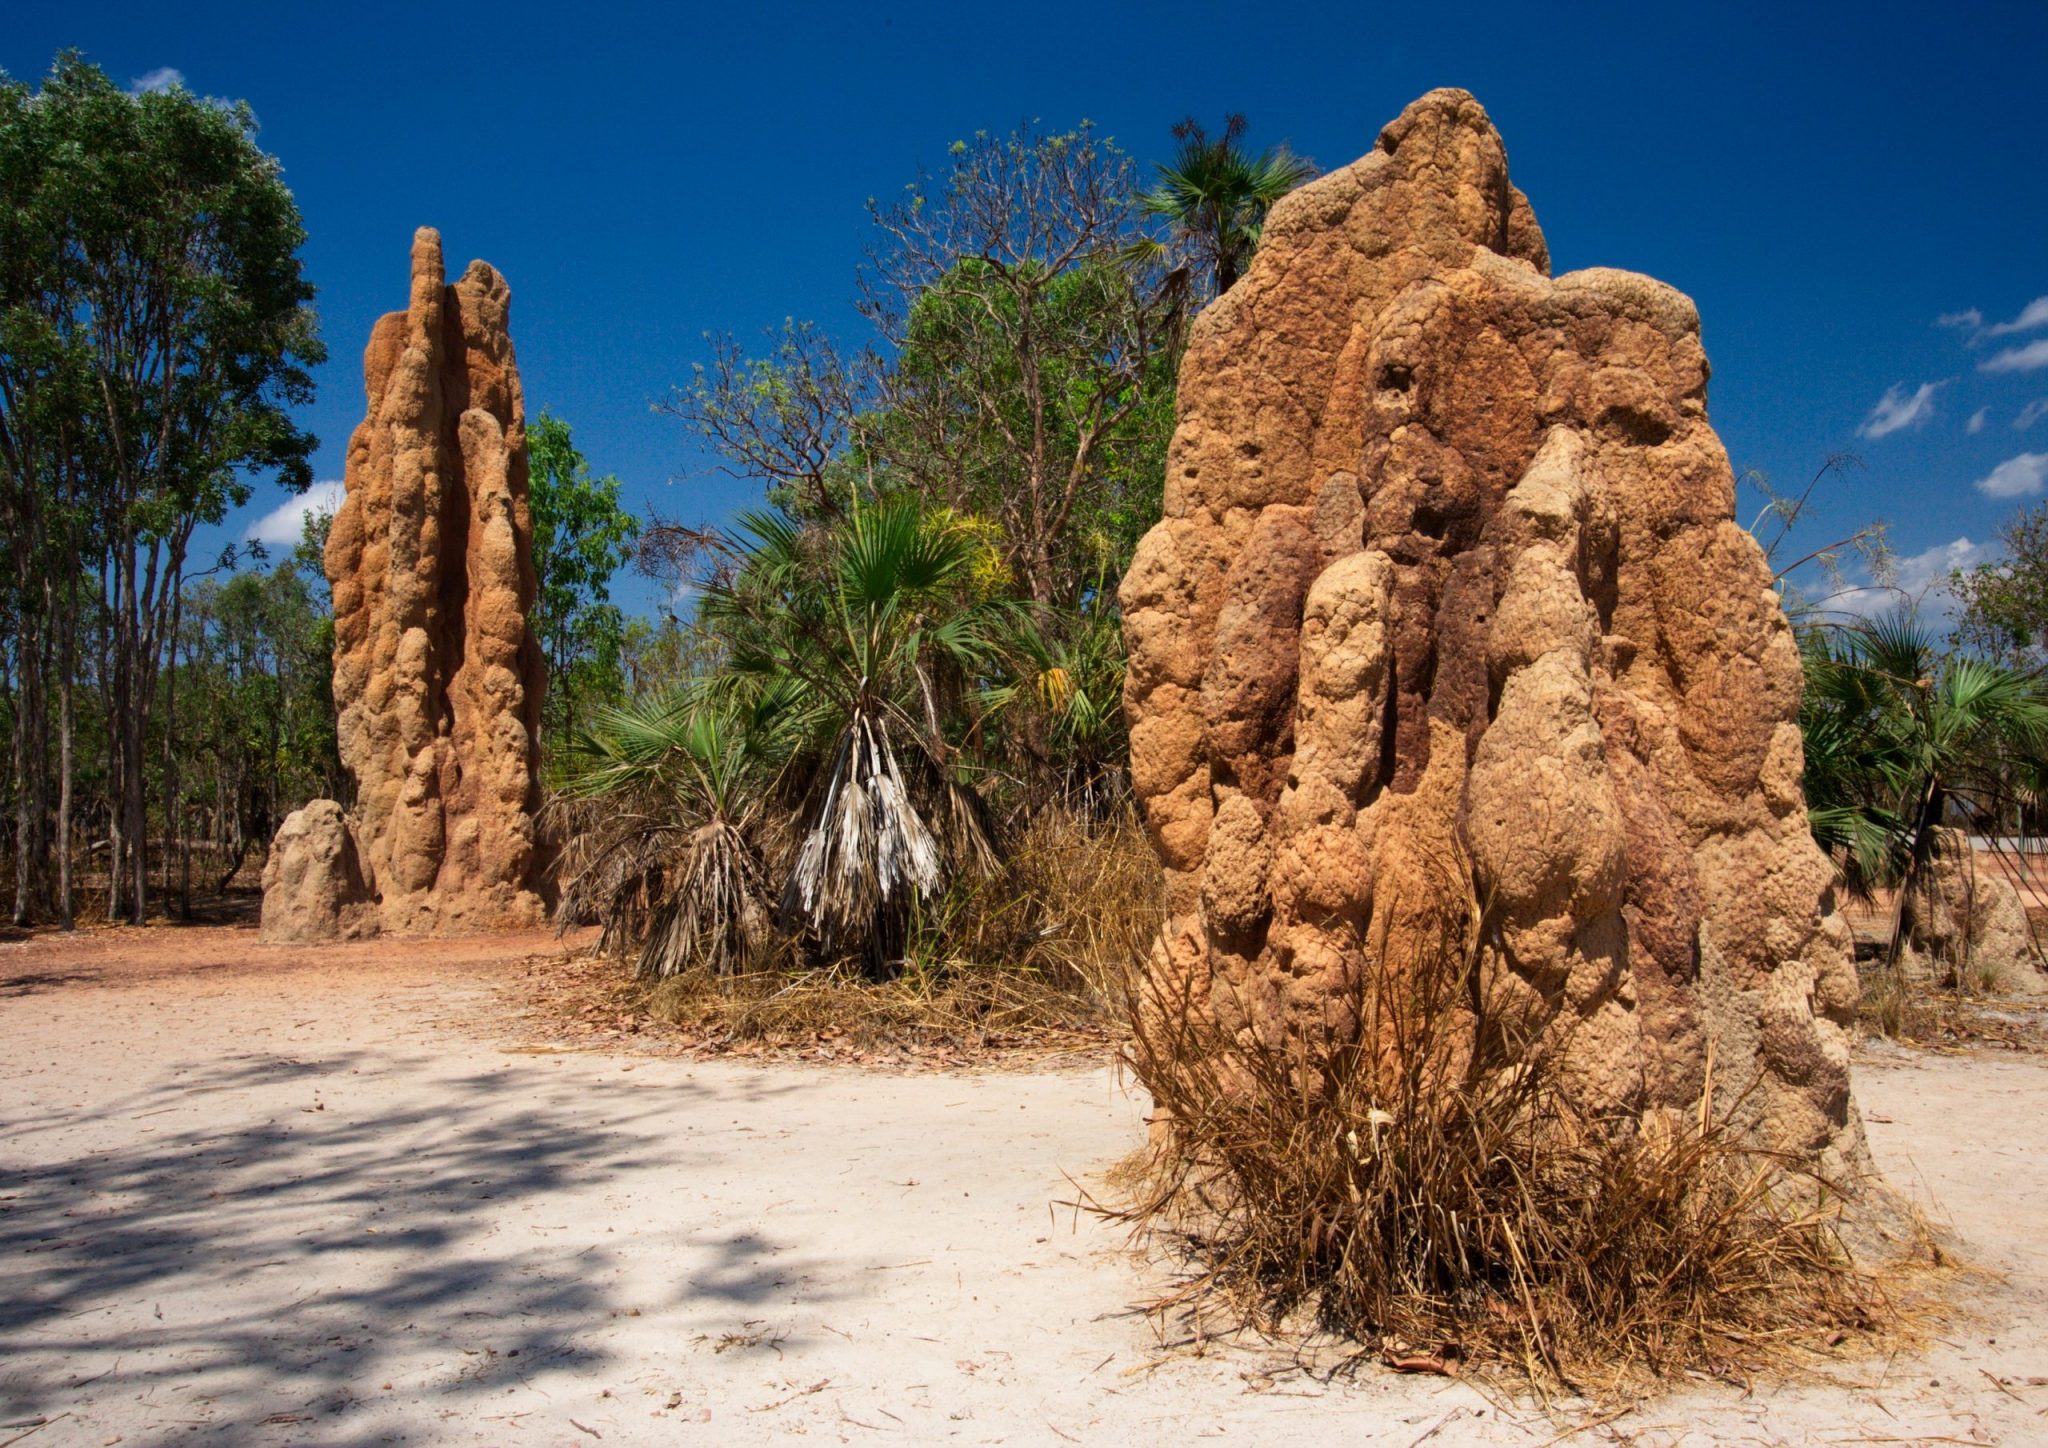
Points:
(437, 675)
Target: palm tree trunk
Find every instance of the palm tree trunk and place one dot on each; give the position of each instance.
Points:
(1926, 821)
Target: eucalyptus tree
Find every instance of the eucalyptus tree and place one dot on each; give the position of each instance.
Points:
(1026, 410)
(1033, 332)
(255, 730)
(1027, 325)
(784, 418)
(167, 286)
(44, 376)
(582, 536)
(2004, 612)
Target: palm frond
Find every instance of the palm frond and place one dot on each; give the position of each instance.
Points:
(868, 848)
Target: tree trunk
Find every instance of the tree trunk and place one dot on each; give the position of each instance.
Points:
(126, 725)
(29, 763)
(20, 914)
(173, 835)
(137, 807)
(130, 710)
(66, 659)
(39, 782)
(65, 913)
(1906, 918)
(116, 860)
(30, 770)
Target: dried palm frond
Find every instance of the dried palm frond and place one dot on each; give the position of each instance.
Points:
(713, 915)
(868, 849)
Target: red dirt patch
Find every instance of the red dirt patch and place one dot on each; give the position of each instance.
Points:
(166, 954)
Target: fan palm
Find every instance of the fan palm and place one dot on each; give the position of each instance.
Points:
(1898, 737)
(676, 864)
(869, 627)
(1216, 195)
(1063, 689)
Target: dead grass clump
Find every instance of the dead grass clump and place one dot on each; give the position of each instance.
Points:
(1445, 1210)
(1895, 1006)
(1042, 949)
(1910, 1003)
(1075, 903)
(960, 1010)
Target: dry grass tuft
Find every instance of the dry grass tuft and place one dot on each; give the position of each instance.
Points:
(1075, 905)
(1895, 1006)
(1037, 954)
(958, 1010)
(1448, 1214)
(1914, 1008)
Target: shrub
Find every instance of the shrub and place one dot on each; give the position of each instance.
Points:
(1048, 942)
(1441, 1208)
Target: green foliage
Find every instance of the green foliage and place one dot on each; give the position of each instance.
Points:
(2005, 604)
(255, 707)
(165, 273)
(1898, 737)
(582, 536)
(1027, 336)
(1035, 333)
(158, 331)
(846, 655)
(661, 654)
(784, 419)
(868, 634)
(309, 559)
(676, 865)
(919, 636)
(979, 422)
(1061, 695)
(1216, 195)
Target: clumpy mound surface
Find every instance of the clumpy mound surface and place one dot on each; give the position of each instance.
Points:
(437, 676)
(1448, 646)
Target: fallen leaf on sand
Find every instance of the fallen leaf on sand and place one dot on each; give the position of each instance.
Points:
(1443, 1361)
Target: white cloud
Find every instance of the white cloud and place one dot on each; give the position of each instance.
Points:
(2034, 314)
(1915, 575)
(1896, 410)
(2029, 358)
(285, 524)
(1976, 423)
(160, 79)
(1921, 579)
(1936, 564)
(2016, 477)
(2032, 413)
(1968, 320)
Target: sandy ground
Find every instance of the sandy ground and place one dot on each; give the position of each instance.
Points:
(251, 1195)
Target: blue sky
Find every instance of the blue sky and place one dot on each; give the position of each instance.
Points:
(1826, 181)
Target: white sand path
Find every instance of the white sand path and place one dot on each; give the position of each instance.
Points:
(265, 1208)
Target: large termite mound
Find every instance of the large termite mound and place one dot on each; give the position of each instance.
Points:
(1448, 647)
(437, 676)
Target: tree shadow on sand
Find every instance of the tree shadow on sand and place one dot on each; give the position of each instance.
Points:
(250, 1257)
